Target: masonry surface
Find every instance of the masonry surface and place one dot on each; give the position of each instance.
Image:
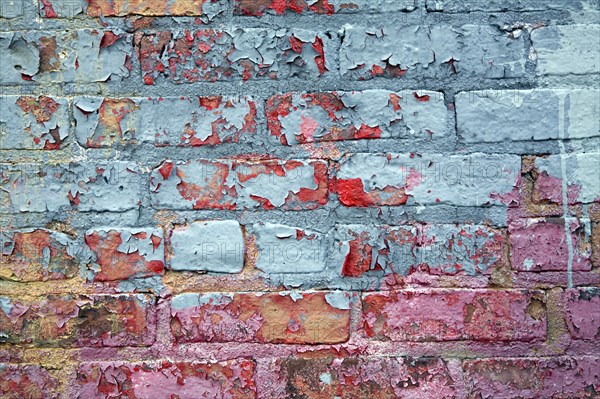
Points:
(299, 199)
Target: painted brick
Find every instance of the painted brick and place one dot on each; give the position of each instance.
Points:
(121, 8)
(582, 312)
(33, 122)
(79, 321)
(431, 51)
(232, 184)
(298, 118)
(121, 253)
(583, 185)
(540, 245)
(101, 186)
(429, 179)
(19, 381)
(477, 315)
(170, 121)
(167, 379)
(61, 8)
(459, 6)
(259, 7)
(438, 249)
(565, 50)
(360, 377)
(521, 115)
(11, 9)
(69, 56)
(530, 378)
(213, 246)
(286, 249)
(283, 317)
(219, 55)
(37, 255)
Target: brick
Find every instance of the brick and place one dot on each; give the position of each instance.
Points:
(582, 312)
(360, 377)
(582, 185)
(213, 246)
(18, 381)
(79, 321)
(431, 52)
(540, 245)
(566, 50)
(522, 115)
(158, 8)
(233, 184)
(37, 255)
(11, 9)
(298, 118)
(428, 179)
(437, 249)
(100, 186)
(219, 55)
(287, 249)
(33, 123)
(167, 379)
(259, 7)
(170, 121)
(458, 6)
(477, 315)
(532, 378)
(283, 317)
(61, 8)
(123, 253)
(67, 56)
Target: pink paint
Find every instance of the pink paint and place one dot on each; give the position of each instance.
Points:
(582, 312)
(308, 127)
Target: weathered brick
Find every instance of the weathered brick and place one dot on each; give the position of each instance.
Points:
(123, 253)
(61, 8)
(431, 51)
(170, 121)
(286, 249)
(67, 56)
(540, 245)
(120, 8)
(20, 381)
(478, 315)
(462, 180)
(532, 378)
(37, 255)
(259, 7)
(283, 317)
(298, 118)
(219, 55)
(521, 115)
(437, 249)
(356, 377)
(213, 246)
(459, 6)
(582, 312)
(233, 184)
(11, 8)
(79, 321)
(167, 379)
(101, 186)
(568, 49)
(33, 122)
(581, 172)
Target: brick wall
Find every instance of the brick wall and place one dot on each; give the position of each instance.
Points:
(299, 199)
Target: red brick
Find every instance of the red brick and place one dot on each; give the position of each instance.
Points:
(111, 8)
(532, 378)
(259, 7)
(78, 321)
(479, 315)
(285, 317)
(358, 377)
(582, 312)
(25, 381)
(167, 379)
(37, 255)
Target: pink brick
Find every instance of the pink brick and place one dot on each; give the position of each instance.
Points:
(480, 315)
(19, 381)
(582, 312)
(167, 379)
(532, 378)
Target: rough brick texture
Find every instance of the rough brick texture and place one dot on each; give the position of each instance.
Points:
(299, 199)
